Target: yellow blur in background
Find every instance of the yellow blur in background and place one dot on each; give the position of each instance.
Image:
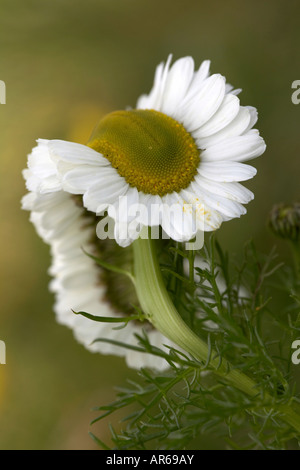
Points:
(65, 64)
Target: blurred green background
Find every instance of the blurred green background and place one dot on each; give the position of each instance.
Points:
(65, 64)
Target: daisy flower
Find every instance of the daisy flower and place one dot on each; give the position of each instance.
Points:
(175, 161)
(184, 146)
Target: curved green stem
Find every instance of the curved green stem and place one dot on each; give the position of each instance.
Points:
(161, 312)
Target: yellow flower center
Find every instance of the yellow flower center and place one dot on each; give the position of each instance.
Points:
(152, 151)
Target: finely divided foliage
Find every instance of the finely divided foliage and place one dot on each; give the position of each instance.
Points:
(169, 410)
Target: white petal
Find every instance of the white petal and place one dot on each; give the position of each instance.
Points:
(76, 154)
(42, 174)
(228, 88)
(240, 148)
(125, 233)
(39, 161)
(86, 332)
(99, 196)
(154, 99)
(44, 202)
(253, 117)
(124, 335)
(80, 179)
(198, 79)
(237, 91)
(207, 218)
(76, 278)
(28, 201)
(226, 171)
(233, 191)
(225, 114)
(225, 206)
(51, 184)
(177, 84)
(126, 211)
(142, 102)
(197, 110)
(55, 219)
(31, 181)
(150, 214)
(235, 128)
(203, 72)
(177, 220)
(125, 207)
(147, 101)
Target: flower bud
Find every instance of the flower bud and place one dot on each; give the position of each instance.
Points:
(284, 221)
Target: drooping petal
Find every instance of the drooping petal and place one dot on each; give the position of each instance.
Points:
(41, 175)
(76, 280)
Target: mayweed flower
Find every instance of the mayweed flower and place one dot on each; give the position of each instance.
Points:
(183, 146)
